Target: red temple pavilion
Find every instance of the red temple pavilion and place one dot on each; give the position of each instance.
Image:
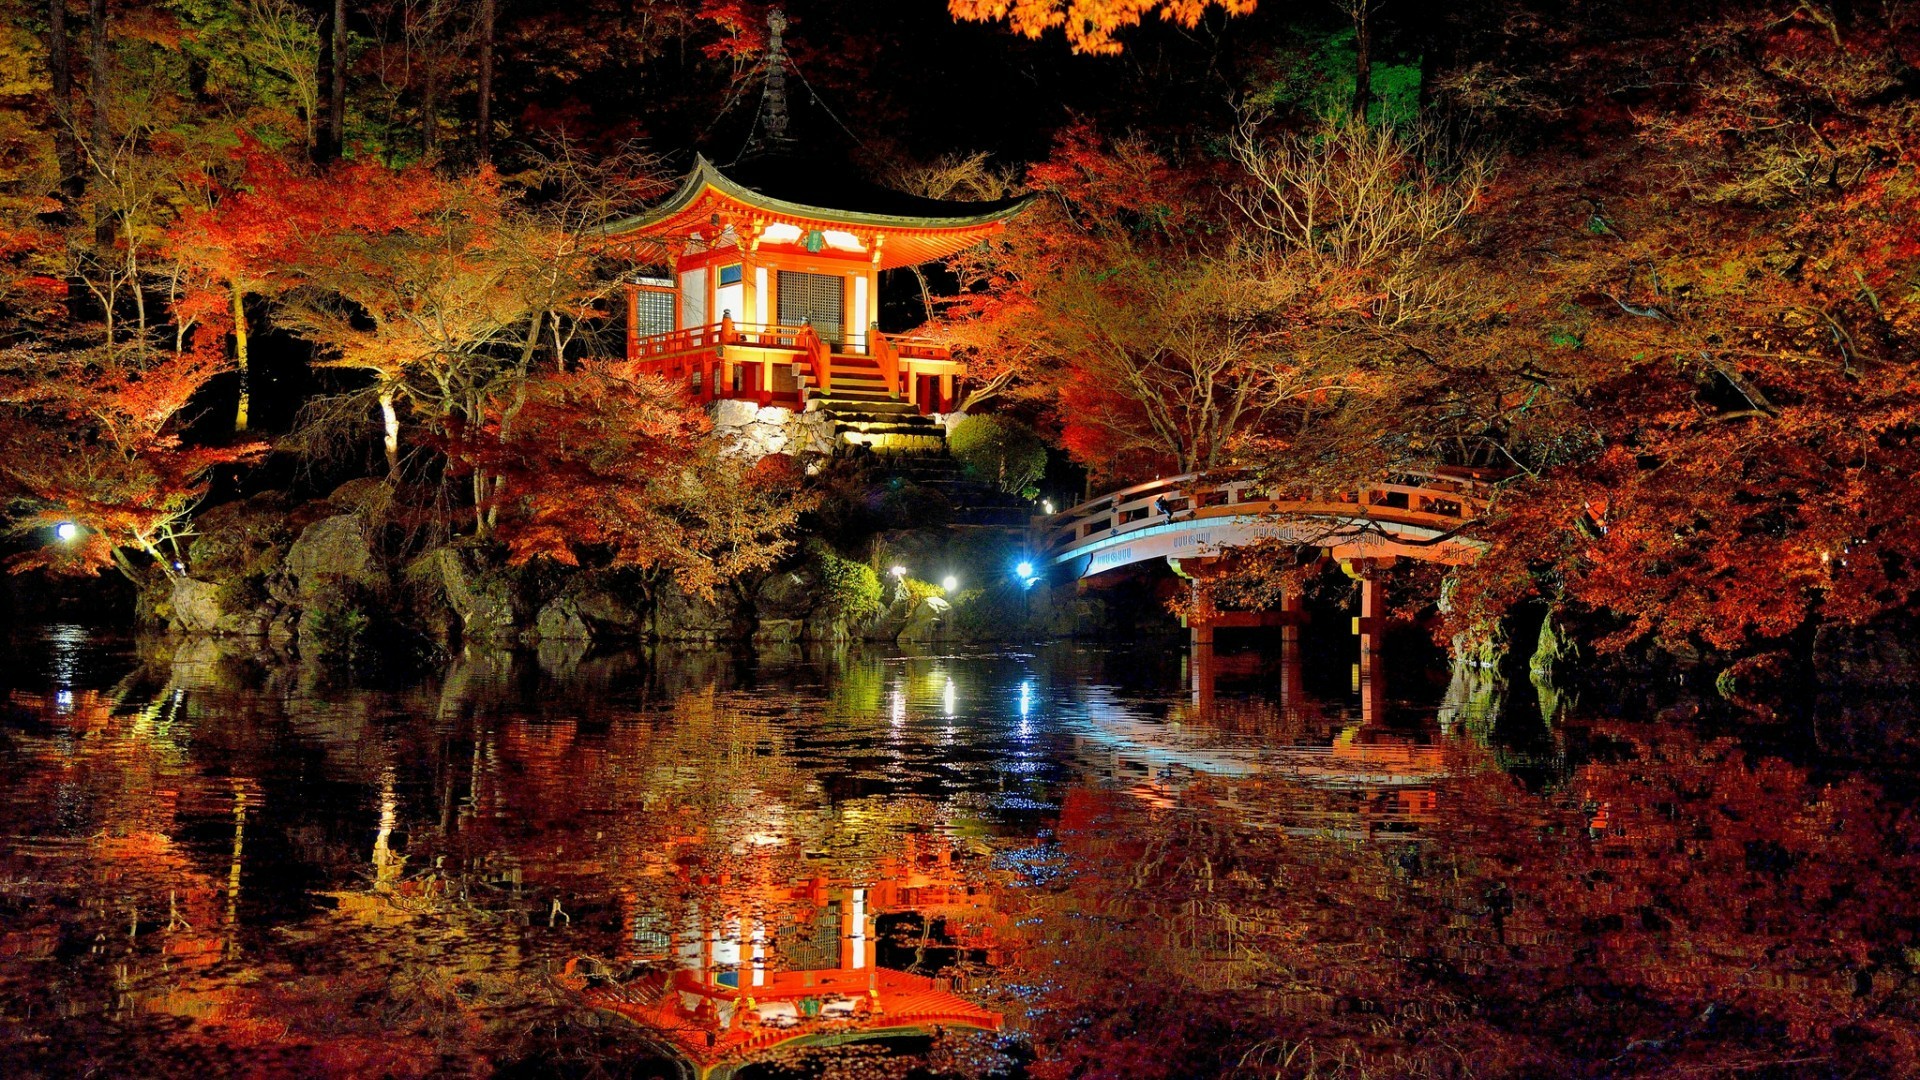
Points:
(774, 296)
(775, 290)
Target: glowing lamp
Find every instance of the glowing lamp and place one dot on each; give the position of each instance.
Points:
(1025, 569)
(898, 571)
(67, 531)
(950, 583)
(1047, 505)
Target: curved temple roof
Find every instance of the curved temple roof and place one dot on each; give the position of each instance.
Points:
(915, 229)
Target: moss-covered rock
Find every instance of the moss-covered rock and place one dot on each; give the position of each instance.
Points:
(481, 594)
(1554, 650)
(682, 616)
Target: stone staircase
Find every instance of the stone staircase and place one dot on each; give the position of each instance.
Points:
(865, 414)
(906, 445)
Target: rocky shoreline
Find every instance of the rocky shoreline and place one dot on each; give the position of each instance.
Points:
(332, 577)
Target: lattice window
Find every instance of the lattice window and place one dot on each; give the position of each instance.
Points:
(816, 298)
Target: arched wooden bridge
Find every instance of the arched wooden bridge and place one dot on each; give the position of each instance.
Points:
(1415, 515)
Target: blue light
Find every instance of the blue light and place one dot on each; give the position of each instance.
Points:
(67, 531)
(1025, 569)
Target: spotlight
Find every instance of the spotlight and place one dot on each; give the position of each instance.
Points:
(67, 531)
(1047, 505)
(898, 571)
(950, 583)
(1025, 570)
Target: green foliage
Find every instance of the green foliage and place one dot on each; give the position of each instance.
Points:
(336, 622)
(1314, 75)
(918, 590)
(847, 587)
(999, 450)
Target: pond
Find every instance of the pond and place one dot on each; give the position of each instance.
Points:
(1051, 861)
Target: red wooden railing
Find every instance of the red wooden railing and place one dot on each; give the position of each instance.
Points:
(696, 357)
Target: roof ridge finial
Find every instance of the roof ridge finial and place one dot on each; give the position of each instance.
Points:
(773, 108)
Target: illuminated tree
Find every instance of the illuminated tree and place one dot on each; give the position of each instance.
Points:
(1090, 24)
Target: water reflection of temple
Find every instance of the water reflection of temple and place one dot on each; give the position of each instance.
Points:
(750, 963)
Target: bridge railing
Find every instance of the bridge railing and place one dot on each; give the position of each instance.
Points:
(1441, 500)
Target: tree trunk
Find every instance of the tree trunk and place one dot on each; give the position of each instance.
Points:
(97, 92)
(430, 110)
(319, 145)
(1436, 54)
(240, 358)
(1362, 58)
(60, 66)
(102, 131)
(337, 83)
(485, 119)
(390, 422)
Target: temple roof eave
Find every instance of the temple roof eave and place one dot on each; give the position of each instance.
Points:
(705, 176)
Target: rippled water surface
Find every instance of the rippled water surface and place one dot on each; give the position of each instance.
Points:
(1053, 862)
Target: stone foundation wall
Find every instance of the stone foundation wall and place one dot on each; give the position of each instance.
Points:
(754, 431)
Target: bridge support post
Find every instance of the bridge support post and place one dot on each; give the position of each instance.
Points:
(1201, 670)
(1370, 612)
(1293, 612)
(1200, 617)
(1291, 679)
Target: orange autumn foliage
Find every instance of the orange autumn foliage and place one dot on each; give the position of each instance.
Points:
(1090, 25)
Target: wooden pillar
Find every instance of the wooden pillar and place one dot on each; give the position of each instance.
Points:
(1201, 669)
(1293, 612)
(946, 393)
(1291, 676)
(1372, 618)
(766, 382)
(1199, 620)
(1373, 692)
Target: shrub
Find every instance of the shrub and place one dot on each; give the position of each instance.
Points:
(918, 590)
(998, 450)
(848, 587)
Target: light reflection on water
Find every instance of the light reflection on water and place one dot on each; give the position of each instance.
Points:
(1058, 861)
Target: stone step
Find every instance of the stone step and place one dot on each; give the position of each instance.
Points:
(886, 405)
(867, 433)
(889, 443)
(877, 395)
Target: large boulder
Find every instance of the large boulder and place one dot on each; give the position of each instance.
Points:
(924, 621)
(335, 549)
(587, 610)
(1882, 656)
(826, 625)
(786, 594)
(892, 619)
(683, 616)
(560, 620)
(200, 607)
